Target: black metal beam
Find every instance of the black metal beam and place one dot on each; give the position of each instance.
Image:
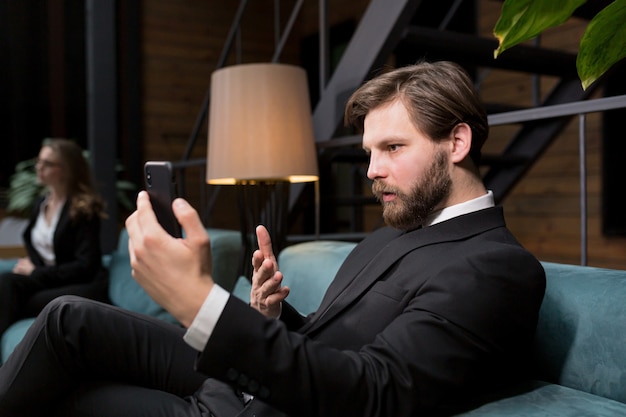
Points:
(378, 33)
(376, 36)
(474, 50)
(130, 92)
(102, 107)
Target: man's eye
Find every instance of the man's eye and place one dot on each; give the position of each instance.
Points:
(393, 148)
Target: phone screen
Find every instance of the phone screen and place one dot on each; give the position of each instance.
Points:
(161, 187)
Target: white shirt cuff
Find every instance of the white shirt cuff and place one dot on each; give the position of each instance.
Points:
(198, 334)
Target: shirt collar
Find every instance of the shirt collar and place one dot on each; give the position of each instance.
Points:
(479, 203)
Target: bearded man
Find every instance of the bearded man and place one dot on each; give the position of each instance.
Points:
(424, 316)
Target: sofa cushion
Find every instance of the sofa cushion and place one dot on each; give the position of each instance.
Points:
(540, 399)
(581, 334)
(12, 336)
(6, 265)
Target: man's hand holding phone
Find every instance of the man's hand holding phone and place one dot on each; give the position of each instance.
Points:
(176, 273)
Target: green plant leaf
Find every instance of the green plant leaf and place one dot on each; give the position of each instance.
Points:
(521, 20)
(21, 199)
(125, 201)
(603, 43)
(27, 165)
(23, 178)
(124, 185)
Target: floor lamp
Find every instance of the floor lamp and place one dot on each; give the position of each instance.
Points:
(261, 140)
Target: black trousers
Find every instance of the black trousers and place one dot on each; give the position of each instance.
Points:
(24, 296)
(84, 358)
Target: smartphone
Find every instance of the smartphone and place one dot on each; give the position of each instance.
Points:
(161, 187)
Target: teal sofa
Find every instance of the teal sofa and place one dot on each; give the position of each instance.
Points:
(579, 357)
(580, 348)
(123, 290)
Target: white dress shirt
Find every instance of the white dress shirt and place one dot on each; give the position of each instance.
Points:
(42, 233)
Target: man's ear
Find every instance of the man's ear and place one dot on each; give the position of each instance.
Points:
(461, 142)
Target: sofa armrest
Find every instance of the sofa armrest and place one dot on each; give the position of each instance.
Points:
(581, 335)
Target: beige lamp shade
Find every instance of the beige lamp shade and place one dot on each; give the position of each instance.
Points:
(260, 125)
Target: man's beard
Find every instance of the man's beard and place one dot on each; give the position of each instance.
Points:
(408, 211)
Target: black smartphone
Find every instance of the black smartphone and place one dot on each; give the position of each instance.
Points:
(161, 187)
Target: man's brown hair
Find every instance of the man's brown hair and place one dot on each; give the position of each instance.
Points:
(437, 95)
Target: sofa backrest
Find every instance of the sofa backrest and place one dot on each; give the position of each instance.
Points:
(581, 335)
(308, 269)
(126, 293)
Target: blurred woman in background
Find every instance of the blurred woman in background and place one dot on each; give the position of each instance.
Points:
(62, 238)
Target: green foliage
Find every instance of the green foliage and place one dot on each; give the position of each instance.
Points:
(522, 20)
(124, 189)
(23, 188)
(602, 45)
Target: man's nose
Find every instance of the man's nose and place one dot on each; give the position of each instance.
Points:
(374, 169)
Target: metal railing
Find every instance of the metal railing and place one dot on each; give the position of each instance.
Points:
(580, 109)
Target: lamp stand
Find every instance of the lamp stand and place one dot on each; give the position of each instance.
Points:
(266, 203)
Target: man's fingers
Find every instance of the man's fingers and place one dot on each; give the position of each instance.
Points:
(144, 206)
(143, 218)
(278, 296)
(257, 259)
(267, 269)
(272, 287)
(189, 220)
(264, 241)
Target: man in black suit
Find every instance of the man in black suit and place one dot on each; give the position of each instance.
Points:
(424, 316)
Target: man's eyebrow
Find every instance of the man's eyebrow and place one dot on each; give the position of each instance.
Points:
(393, 139)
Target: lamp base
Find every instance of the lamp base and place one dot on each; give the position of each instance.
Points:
(265, 203)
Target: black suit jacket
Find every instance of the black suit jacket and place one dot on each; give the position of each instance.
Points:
(413, 323)
(76, 247)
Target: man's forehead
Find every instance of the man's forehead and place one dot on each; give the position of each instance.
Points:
(391, 120)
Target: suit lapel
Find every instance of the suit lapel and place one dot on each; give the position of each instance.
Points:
(360, 258)
(381, 252)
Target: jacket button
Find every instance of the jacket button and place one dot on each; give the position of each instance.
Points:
(264, 393)
(232, 374)
(253, 386)
(242, 380)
